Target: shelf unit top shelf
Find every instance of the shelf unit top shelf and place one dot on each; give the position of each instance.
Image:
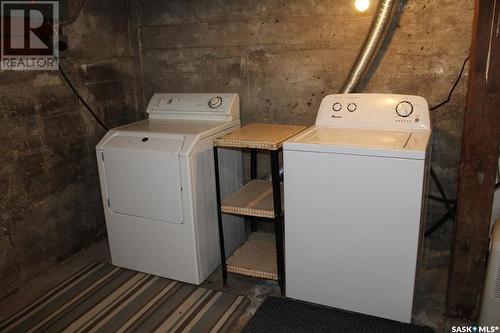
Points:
(256, 257)
(259, 136)
(254, 199)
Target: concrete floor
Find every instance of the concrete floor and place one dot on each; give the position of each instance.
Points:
(429, 305)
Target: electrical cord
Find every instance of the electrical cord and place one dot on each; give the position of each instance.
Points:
(70, 21)
(73, 17)
(449, 204)
(453, 87)
(87, 106)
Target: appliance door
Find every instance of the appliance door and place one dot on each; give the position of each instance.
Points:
(142, 176)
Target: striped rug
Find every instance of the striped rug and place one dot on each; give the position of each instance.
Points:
(105, 298)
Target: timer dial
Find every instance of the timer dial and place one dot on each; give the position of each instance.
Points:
(215, 102)
(404, 109)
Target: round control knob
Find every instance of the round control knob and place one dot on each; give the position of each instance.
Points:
(351, 107)
(337, 107)
(215, 102)
(404, 109)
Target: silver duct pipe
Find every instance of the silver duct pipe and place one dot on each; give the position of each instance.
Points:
(375, 38)
(373, 41)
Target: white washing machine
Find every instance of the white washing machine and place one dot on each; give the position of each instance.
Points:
(354, 193)
(158, 187)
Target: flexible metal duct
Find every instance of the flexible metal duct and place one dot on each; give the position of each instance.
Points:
(366, 56)
(373, 41)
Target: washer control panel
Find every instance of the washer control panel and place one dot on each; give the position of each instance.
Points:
(374, 111)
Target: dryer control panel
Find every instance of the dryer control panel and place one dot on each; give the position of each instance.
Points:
(374, 111)
(216, 106)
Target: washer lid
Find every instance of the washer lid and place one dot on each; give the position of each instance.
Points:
(373, 138)
(371, 142)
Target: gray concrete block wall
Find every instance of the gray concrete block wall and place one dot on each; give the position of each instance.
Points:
(282, 57)
(50, 200)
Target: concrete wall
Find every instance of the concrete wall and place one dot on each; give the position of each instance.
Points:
(50, 205)
(282, 57)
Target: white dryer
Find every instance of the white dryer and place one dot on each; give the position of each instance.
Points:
(158, 187)
(354, 197)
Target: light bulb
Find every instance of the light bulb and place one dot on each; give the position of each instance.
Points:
(362, 5)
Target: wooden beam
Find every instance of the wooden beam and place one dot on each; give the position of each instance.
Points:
(478, 165)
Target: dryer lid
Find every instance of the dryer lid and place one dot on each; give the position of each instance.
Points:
(145, 142)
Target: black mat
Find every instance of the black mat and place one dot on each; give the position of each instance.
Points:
(279, 314)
